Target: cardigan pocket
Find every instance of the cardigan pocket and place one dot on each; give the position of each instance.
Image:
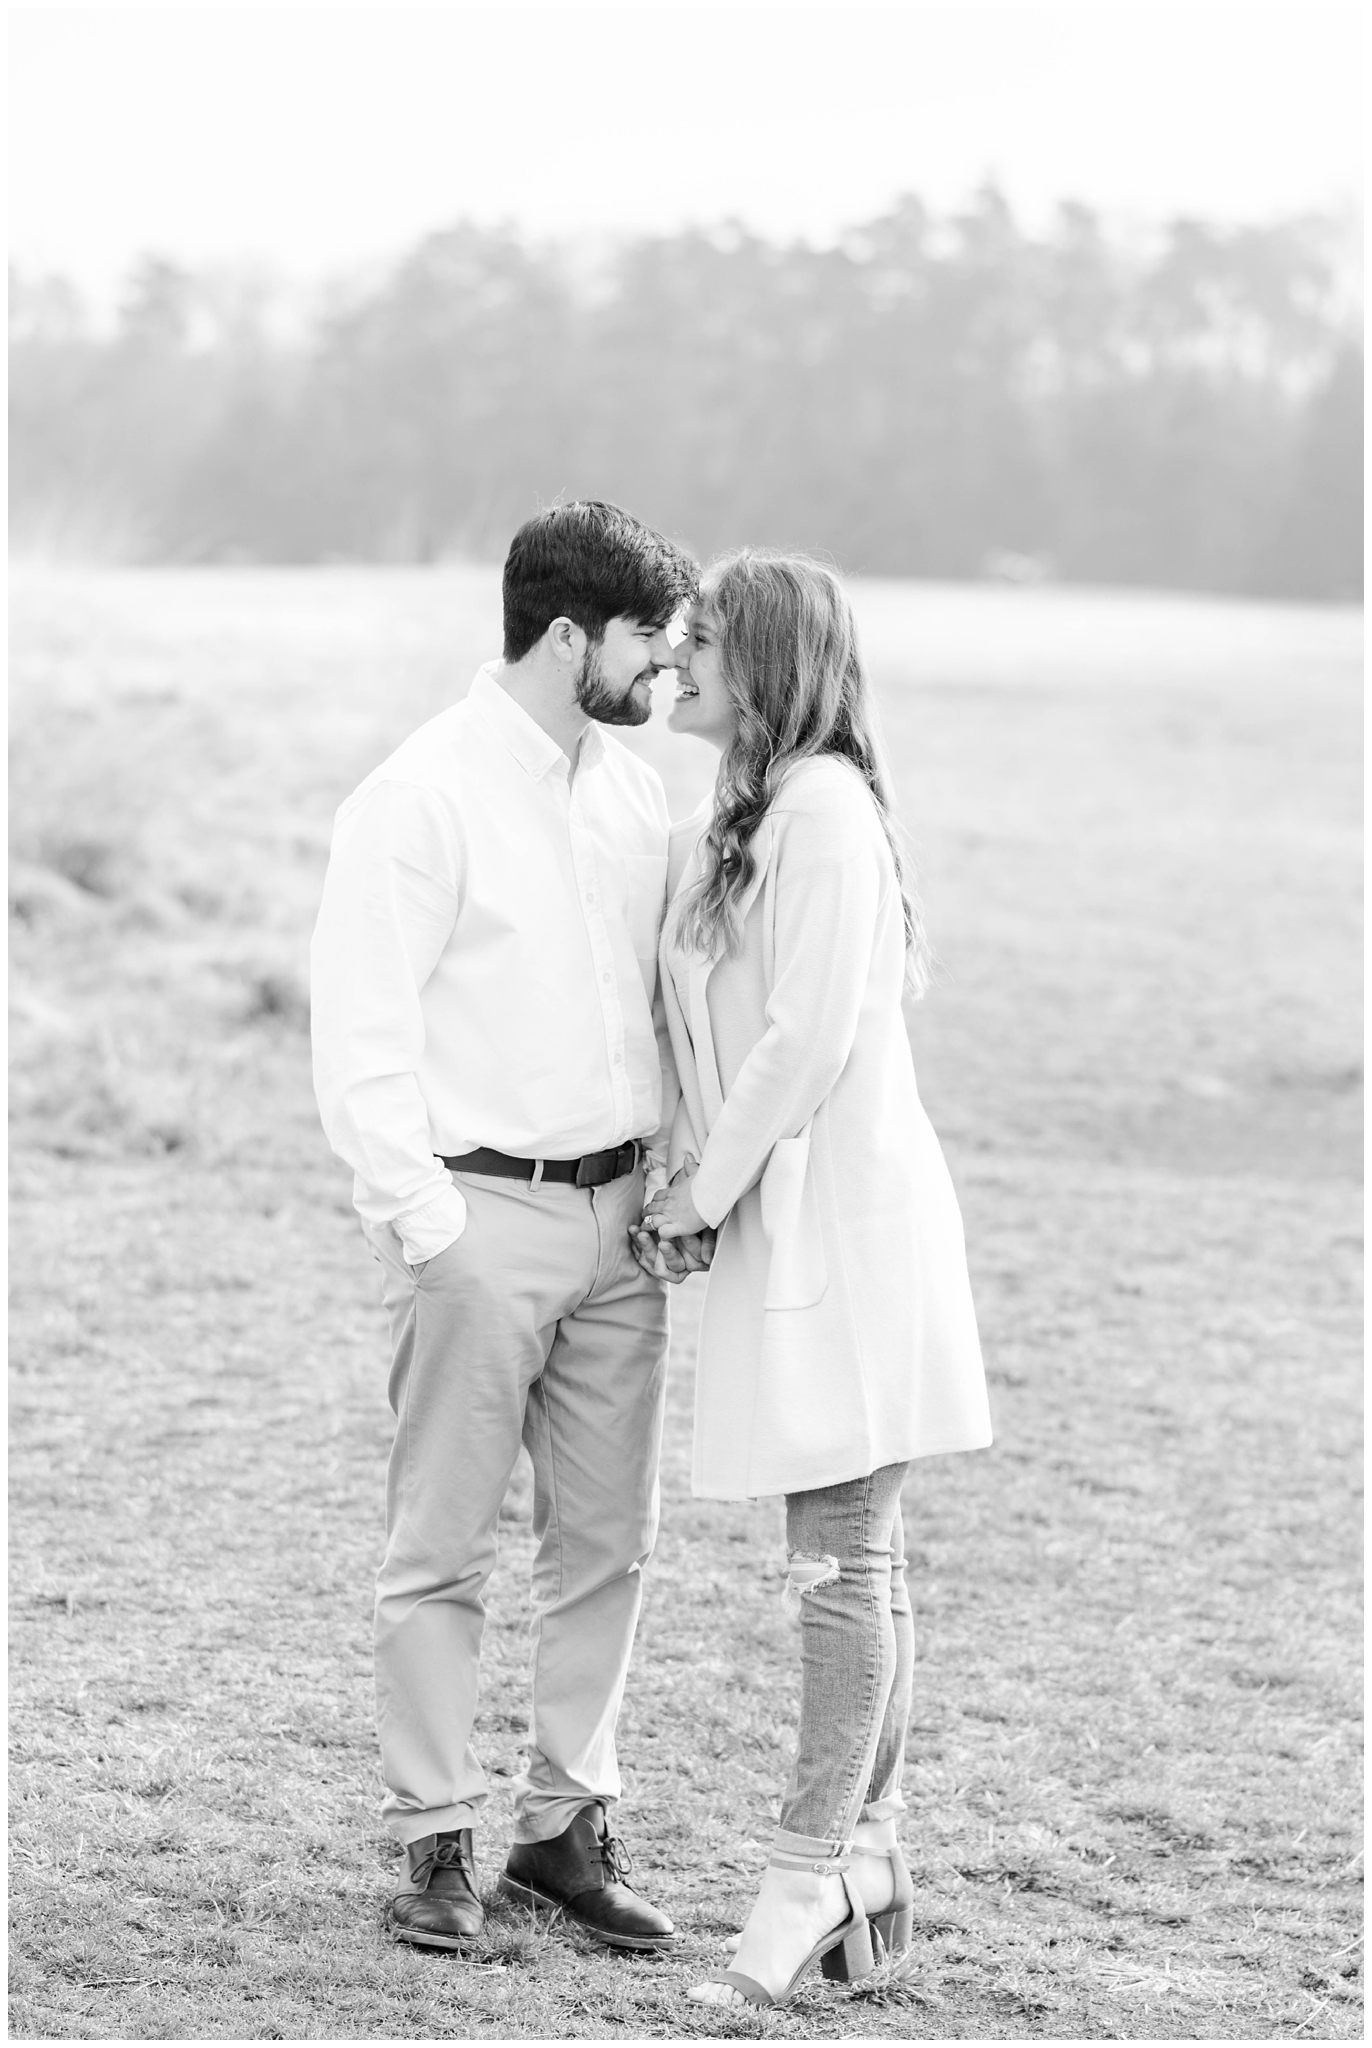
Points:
(797, 1276)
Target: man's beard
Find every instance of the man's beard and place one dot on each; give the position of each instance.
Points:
(599, 702)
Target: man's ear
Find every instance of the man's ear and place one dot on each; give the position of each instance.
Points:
(567, 642)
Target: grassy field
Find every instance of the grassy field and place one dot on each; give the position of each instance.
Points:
(1133, 1771)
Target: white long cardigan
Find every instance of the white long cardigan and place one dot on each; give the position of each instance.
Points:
(838, 1333)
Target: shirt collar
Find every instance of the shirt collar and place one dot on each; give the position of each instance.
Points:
(592, 747)
(535, 750)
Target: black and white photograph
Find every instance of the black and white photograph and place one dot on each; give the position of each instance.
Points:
(686, 1022)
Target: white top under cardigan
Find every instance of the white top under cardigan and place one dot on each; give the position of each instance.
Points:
(838, 1333)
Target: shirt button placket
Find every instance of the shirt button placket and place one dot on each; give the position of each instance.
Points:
(612, 1010)
(602, 953)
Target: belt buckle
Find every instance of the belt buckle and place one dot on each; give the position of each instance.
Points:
(588, 1174)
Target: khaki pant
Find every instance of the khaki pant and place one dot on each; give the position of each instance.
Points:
(538, 1327)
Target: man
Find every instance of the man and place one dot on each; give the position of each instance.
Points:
(486, 1060)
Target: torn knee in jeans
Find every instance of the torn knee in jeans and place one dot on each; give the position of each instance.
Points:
(805, 1574)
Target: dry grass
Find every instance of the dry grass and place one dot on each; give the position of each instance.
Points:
(1132, 1776)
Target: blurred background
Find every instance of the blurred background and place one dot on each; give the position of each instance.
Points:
(1045, 323)
(1018, 293)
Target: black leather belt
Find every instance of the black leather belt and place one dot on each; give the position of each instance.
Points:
(590, 1172)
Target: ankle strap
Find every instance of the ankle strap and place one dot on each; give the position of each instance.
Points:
(822, 1866)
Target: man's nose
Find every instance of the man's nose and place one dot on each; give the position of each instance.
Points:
(661, 649)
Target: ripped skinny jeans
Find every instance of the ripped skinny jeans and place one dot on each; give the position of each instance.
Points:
(857, 1651)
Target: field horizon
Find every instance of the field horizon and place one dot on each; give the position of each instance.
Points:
(1133, 1772)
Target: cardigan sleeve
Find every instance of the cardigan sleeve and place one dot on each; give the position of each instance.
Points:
(657, 1148)
(829, 880)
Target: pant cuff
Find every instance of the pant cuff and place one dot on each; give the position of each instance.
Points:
(826, 1856)
(553, 1817)
(883, 1809)
(443, 1820)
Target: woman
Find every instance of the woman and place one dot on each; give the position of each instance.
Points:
(838, 1339)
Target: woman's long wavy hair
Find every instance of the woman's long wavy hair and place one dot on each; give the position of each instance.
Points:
(790, 661)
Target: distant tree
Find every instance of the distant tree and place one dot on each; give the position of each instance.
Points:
(65, 497)
(156, 310)
(1316, 547)
(931, 396)
(436, 397)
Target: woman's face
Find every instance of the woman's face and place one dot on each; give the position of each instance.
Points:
(703, 706)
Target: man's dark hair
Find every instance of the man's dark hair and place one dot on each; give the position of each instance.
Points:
(590, 563)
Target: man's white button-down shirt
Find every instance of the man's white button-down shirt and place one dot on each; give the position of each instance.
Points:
(485, 959)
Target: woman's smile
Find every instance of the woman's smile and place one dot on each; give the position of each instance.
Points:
(703, 704)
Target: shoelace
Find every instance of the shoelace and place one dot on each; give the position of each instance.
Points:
(618, 1862)
(444, 1856)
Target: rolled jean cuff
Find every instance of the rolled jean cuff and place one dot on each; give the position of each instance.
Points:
(826, 1857)
(883, 1809)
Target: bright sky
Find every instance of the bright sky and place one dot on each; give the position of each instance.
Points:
(316, 137)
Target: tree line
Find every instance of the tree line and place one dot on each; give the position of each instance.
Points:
(931, 396)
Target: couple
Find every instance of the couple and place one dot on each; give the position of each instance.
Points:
(572, 1054)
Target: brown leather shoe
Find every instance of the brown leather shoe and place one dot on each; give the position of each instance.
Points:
(438, 1907)
(584, 1871)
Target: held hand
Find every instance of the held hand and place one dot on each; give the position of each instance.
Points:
(671, 1258)
(699, 1248)
(663, 1261)
(649, 1254)
(698, 1251)
(672, 1213)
